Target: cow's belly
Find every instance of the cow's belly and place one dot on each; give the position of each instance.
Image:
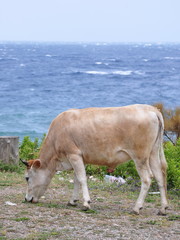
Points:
(106, 158)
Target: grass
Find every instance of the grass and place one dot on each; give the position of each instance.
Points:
(10, 178)
(49, 205)
(51, 218)
(21, 219)
(173, 217)
(43, 235)
(153, 222)
(90, 211)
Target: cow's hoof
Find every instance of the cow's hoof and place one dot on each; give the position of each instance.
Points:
(162, 213)
(85, 208)
(72, 204)
(135, 212)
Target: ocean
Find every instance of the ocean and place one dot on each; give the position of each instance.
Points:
(40, 80)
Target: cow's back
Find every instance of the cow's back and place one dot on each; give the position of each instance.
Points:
(105, 135)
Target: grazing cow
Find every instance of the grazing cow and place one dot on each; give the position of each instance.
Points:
(101, 136)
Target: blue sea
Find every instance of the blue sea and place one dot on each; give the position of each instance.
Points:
(40, 80)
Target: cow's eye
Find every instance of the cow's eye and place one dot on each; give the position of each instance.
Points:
(27, 179)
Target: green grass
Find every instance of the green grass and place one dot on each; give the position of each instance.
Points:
(43, 235)
(11, 178)
(174, 218)
(90, 211)
(10, 168)
(21, 219)
(109, 201)
(153, 222)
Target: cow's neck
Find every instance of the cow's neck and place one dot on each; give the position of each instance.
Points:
(48, 156)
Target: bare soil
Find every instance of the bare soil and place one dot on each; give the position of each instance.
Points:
(111, 216)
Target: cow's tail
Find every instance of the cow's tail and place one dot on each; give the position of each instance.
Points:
(160, 147)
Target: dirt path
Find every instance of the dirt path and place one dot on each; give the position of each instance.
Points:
(111, 217)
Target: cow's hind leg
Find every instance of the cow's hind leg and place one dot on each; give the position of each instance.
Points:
(145, 174)
(158, 167)
(79, 169)
(75, 196)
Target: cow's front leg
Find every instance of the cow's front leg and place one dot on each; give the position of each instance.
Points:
(75, 196)
(79, 169)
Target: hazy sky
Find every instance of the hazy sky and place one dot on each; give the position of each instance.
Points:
(90, 20)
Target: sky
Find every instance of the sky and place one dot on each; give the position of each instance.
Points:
(90, 20)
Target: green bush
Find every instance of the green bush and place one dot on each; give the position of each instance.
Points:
(96, 170)
(172, 154)
(30, 149)
(9, 168)
(126, 169)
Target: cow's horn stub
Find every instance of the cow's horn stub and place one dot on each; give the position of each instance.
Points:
(24, 162)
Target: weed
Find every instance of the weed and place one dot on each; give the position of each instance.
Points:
(90, 211)
(21, 219)
(10, 168)
(153, 222)
(2, 238)
(24, 213)
(151, 199)
(173, 217)
(53, 205)
(100, 199)
(43, 235)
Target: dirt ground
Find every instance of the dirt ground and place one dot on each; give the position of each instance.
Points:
(110, 217)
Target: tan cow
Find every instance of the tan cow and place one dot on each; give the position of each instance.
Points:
(101, 136)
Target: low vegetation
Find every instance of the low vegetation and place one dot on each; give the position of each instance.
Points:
(111, 215)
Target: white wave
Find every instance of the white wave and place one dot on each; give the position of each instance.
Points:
(124, 73)
(168, 58)
(145, 60)
(172, 58)
(117, 72)
(97, 72)
(48, 55)
(100, 63)
(139, 72)
(22, 65)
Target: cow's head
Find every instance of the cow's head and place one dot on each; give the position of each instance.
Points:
(38, 178)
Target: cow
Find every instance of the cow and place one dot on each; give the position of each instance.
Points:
(101, 136)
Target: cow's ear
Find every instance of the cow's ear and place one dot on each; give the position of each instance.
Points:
(37, 163)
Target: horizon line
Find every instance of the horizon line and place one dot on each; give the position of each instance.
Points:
(90, 42)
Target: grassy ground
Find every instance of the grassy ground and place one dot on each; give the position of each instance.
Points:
(110, 217)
